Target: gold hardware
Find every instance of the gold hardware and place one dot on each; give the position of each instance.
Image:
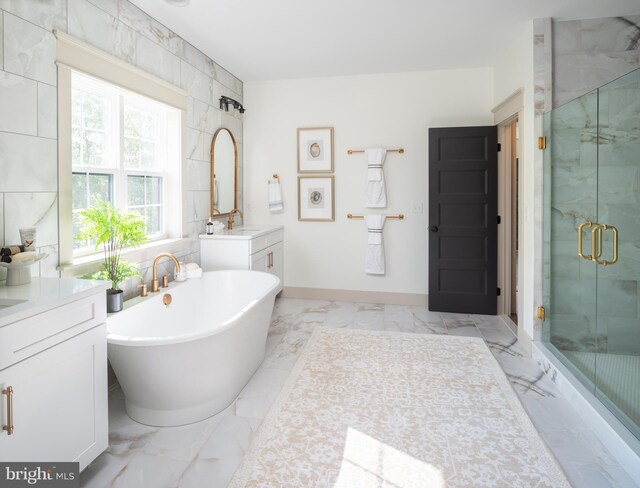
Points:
(600, 229)
(580, 227)
(9, 427)
(165, 281)
(399, 150)
(540, 313)
(154, 279)
(213, 172)
(276, 178)
(542, 143)
(166, 299)
(230, 220)
(270, 260)
(215, 210)
(144, 292)
(596, 243)
(398, 217)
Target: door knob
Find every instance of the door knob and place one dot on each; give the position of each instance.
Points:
(434, 228)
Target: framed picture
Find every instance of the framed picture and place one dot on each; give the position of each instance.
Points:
(315, 150)
(315, 198)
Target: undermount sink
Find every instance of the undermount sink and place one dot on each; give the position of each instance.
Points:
(8, 302)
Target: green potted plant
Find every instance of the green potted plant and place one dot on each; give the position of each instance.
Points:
(112, 230)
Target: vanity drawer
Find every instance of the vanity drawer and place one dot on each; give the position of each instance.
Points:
(257, 244)
(29, 336)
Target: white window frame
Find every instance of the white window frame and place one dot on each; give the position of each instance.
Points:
(75, 55)
(118, 98)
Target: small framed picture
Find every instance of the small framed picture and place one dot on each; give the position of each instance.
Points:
(315, 198)
(315, 150)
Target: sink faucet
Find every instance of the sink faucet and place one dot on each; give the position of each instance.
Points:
(230, 219)
(154, 279)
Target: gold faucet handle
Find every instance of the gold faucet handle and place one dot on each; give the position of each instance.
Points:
(144, 292)
(165, 281)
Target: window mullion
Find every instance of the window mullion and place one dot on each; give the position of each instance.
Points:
(122, 179)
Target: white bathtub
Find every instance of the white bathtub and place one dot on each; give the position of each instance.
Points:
(185, 362)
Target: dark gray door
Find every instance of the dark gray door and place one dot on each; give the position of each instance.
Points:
(463, 206)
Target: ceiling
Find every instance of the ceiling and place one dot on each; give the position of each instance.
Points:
(278, 39)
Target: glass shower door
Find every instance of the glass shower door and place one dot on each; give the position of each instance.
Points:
(571, 211)
(617, 363)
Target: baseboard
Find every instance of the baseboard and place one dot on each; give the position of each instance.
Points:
(388, 298)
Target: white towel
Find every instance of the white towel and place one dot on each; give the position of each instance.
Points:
(275, 197)
(376, 192)
(374, 261)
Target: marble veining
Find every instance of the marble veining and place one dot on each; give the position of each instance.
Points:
(19, 101)
(29, 50)
(589, 53)
(50, 14)
(207, 453)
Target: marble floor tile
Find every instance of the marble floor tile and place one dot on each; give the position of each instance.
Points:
(207, 453)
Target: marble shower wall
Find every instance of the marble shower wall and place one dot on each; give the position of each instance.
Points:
(28, 97)
(589, 53)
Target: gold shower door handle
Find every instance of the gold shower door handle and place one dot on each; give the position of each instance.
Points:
(580, 228)
(9, 427)
(599, 229)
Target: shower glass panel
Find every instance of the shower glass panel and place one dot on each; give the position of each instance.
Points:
(592, 242)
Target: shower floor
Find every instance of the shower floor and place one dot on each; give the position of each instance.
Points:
(618, 378)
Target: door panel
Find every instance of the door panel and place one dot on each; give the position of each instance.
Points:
(463, 205)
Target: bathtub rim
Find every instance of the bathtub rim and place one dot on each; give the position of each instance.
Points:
(150, 341)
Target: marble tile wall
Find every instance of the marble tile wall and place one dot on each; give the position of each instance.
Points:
(589, 53)
(28, 97)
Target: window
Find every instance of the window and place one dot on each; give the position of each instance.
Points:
(120, 153)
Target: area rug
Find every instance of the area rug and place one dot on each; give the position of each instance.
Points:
(389, 409)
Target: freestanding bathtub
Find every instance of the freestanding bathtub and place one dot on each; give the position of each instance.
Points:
(184, 362)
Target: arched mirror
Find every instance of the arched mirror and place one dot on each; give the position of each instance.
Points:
(224, 173)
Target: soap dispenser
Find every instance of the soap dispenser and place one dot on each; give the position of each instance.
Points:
(210, 227)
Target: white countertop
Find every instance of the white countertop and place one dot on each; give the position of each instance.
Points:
(243, 232)
(18, 302)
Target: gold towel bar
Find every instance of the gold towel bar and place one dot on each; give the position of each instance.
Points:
(351, 151)
(398, 217)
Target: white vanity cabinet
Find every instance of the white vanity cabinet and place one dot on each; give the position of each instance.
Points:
(53, 375)
(258, 248)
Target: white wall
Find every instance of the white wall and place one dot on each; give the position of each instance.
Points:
(516, 71)
(390, 110)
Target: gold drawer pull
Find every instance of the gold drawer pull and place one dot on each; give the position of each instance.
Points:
(9, 427)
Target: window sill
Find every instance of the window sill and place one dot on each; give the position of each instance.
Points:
(90, 263)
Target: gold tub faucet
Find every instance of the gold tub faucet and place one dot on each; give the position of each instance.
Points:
(154, 279)
(230, 218)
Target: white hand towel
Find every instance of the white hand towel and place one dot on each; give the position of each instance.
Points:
(374, 261)
(275, 197)
(375, 160)
(376, 192)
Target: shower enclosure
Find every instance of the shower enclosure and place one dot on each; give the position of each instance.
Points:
(591, 281)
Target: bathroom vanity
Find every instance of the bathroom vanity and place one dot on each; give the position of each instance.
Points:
(259, 248)
(53, 371)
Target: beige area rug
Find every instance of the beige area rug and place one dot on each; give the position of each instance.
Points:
(390, 409)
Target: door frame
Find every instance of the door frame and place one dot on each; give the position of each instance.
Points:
(504, 114)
